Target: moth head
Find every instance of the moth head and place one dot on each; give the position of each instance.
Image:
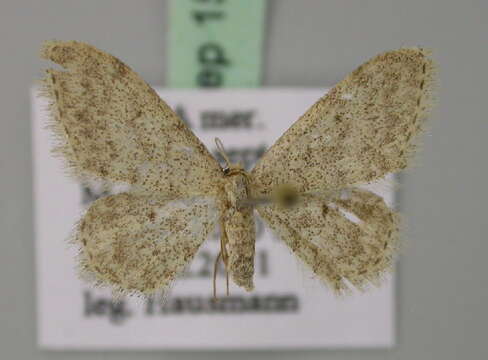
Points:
(233, 169)
(230, 168)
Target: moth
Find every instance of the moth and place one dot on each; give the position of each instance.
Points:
(112, 126)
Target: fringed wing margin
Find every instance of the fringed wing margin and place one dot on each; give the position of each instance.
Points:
(109, 124)
(367, 126)
(136, 244)
(348, 241)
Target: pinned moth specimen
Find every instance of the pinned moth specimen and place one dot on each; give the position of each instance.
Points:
(111, 125)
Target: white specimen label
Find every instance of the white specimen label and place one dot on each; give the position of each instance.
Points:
(289, 307)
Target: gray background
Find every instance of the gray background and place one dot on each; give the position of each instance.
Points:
(442, 287)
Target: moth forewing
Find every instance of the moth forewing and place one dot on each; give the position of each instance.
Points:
(364, 128)
(111, 125)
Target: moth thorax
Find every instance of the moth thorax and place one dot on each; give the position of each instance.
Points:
(236, 189)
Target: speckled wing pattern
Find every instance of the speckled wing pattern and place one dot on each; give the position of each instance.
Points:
(362, 129)
(110, 125)
(139, 243)
(366, 127)
(342, 250)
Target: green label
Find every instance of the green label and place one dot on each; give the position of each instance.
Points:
(215, 43)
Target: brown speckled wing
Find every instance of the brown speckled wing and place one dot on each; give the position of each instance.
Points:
(140, 244)
(110, 124)
(345, 241)
(363, 129)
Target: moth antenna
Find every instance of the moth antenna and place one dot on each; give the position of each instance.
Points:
(221, 150)
(215, 278)
(227, 282)
(252, 202)
(224, 256)
(216, 264)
